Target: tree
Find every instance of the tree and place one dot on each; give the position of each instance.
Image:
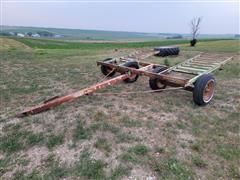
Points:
(29, 34)
(195, 27)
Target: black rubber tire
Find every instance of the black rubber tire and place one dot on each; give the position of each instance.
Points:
(106, 70)
(171, 51)
(167, 51)
(177, 51)
(131, 64)
(154, 82)
(199, 87)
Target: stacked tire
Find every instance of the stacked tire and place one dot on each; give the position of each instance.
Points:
(167, 51)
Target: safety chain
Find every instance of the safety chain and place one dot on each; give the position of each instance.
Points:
(105, 77)
(139, 92)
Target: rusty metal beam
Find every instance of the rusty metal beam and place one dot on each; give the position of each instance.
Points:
(166, 77)
(55, 101)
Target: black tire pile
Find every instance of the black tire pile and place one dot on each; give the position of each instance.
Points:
(167, 51)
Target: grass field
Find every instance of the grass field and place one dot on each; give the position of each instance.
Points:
(81, 34)
(161, 135)
(57, 44)
(98, 35)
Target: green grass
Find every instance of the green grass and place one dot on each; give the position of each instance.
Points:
(162, 133)
(119, 172)
(56, 44)
(140, 149)
(19, 174)
(196, 147)
(198, 161)
(4, 162)
(17, 139)
(89, 168)
(135, 154)
(12, 141)
(130, 157)
(166, 62)
(23, 162)
(56, 172)
(120, 136)
(228, 151)
(81, 132)
(159, 149)
(53, 171)
(103, 144)
(180, 125)
(59, 44)
(54, 140)
(171, 168)
(216, 46)
(99, 116)
(127, 122)
(34, 139)
(104, 126)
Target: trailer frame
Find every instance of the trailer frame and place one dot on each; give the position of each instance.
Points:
(202, 64)
(197, 66)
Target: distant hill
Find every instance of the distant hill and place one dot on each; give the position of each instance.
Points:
(96, 35)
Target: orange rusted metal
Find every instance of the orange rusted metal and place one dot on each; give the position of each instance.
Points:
(55, 101)
(209, 91)
(118, 68)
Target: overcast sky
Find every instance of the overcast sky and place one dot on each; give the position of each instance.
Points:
(218, 17)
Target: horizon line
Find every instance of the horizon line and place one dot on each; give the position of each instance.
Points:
(116, 30)
(120, 1)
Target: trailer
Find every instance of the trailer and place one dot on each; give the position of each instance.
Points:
(192, 75)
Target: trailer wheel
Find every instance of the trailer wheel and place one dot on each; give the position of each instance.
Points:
(156, 83)
(204, 89)
(133, 77)
(107, 70)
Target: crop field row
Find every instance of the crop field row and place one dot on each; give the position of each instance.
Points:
(58, 44)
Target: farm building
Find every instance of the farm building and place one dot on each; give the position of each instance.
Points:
(36, 35)
(20, 35)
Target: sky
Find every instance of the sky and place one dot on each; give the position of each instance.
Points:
(221, 17)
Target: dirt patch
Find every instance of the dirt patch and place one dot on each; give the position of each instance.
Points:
(36, 155)
(141, 173)
(184, 140)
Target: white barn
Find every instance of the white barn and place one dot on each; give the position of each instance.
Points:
(20, 35)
